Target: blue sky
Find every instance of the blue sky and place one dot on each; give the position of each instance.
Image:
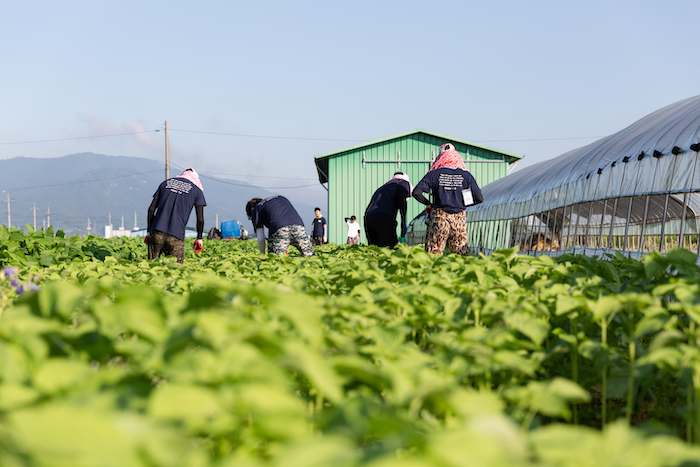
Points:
(254, 90)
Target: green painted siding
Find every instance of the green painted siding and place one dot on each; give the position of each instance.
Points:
(352, 178)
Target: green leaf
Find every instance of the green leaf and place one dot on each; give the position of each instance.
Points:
(58, 374)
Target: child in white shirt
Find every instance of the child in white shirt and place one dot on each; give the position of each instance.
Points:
(353, 230)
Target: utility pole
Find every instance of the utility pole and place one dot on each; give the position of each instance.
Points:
(9, 216)
(48, 218)
(34, 209)
(167, 152)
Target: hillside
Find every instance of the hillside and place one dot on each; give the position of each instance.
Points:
(85, 186)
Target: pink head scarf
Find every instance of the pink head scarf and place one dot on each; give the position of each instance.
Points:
(191, 175)
(448, 157)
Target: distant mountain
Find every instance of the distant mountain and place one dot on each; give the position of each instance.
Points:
(72, 189)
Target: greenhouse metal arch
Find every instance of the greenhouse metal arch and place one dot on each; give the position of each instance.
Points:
(632, 192)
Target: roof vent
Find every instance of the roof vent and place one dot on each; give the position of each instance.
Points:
(613, 164)
(626, 159)
(641, 156)
(676, 150)
(600, 171)
(588, 176)
(695, 147)
(657, 154)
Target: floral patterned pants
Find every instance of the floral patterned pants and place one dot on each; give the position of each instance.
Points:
(290, 235)
(447, 229)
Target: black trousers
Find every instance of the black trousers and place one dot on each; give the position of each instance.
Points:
(381, 230)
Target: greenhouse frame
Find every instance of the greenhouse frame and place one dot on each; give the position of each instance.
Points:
(632, 192)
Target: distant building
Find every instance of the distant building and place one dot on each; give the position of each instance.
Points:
(121, 232)
(352, 175)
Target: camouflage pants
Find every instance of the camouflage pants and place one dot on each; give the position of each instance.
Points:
(290, 235)
(160, 243)
(447, 229)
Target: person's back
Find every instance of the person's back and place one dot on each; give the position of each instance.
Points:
(447, 185)
(274, 213)
(380, 215)
(453, 189)
(176, 198)
(169, 213)
(283, 222)
(387, 200)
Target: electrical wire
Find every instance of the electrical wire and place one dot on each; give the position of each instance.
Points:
(263, 176)
(246, 135)
(246, 185)
(78, 138)
(79, 182)
(265, 136)
(538, 139)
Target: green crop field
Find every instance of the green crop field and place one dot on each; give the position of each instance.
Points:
(359, 356)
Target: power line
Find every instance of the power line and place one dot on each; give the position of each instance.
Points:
(260, 187)
(244, 135)
(78, 138)
(247, 135)
(263, 176)
(84, 181)
(537, 139)
(245, 185)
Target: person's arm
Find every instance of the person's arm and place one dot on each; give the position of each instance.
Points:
(401, 204)
(261, 239)
(325, 232)
(151, 213)
(418, 191)
(476, 191)
(402, 210)
(200, 221)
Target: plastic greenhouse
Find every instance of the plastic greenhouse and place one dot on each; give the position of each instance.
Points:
(632, 192)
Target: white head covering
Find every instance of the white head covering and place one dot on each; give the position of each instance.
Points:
(403, 176)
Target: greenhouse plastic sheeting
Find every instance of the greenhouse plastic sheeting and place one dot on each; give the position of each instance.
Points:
(650, 157)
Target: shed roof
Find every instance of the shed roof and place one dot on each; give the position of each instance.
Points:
(322, 160)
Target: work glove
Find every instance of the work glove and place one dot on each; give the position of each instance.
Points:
(325, 239)
(428, 209)
(198, 246)
(145, 239)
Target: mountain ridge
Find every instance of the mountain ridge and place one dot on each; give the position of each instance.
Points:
(82, 186)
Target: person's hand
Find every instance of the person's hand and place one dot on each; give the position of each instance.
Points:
(428, 209)
(198, 246)
(145, 239)
(325, 239)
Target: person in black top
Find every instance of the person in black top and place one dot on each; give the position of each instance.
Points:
(284, 223)
(380, 215)
(319, 228)
(169, 212)
(453, 189)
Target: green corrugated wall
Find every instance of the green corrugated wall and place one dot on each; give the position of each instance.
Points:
(350, 185)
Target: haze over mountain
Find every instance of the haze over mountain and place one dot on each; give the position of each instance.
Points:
(85, 186)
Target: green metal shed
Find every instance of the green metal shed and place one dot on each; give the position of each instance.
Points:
(352, 175)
